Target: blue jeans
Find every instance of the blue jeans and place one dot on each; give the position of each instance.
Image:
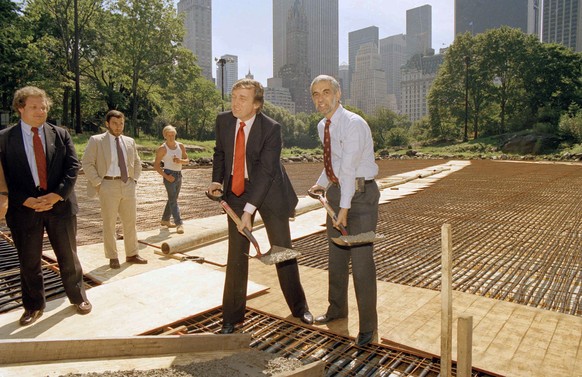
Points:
(173, 189)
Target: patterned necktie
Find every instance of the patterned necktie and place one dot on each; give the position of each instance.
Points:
(238, 174)
(40, 158)
(327, 153)
(121, 160)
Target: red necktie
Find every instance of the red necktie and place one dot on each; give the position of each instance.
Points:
(327, 153)
(238, 174)
(40, 158)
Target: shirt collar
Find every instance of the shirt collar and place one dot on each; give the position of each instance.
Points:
(248, 123)
(27, 128)
(337, 113)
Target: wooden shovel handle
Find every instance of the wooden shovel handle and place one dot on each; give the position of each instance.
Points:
(320, 195)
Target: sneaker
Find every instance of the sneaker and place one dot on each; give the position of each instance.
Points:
(168, 224)
(180, 229)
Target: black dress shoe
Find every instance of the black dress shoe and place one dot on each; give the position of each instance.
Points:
(84, 308)
(324, 318)
(364, 338)
(228, 328)
(29, 317)
(136, 259)
(114, 264)
(306, 318)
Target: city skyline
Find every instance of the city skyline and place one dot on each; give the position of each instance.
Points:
(235, 30)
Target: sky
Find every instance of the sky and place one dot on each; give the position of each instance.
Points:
(245, 28)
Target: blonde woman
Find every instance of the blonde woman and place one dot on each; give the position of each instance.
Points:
(173, 155)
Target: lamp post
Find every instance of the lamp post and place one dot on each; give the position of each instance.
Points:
(467, 59)
(222, 62)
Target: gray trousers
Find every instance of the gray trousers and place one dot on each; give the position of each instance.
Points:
(362, 217)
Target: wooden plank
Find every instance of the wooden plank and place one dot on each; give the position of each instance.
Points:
(446, 301)
(28, 350)
(464, 346)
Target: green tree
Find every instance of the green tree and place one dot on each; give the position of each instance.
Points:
(388, 128)
(145, 47)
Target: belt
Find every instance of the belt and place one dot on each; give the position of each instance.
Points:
(109, 178)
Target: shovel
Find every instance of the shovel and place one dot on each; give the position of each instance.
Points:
(345, 239)
(275, 255)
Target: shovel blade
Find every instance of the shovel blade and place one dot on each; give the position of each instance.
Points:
(278, 254)
(356, 239)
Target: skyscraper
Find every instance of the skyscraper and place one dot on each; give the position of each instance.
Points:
(230, 73)
(322, 35)
(393, 53)
(562, 23)
(419, 30)
(357, 39)
(295, 73)
(368, 80)
(478, 16)
(417, 77)
(198, 38)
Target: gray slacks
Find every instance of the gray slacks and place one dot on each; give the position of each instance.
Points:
(362, 217)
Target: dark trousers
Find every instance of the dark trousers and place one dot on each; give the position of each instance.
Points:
(362, 217)
(28, 237)
(237, 269)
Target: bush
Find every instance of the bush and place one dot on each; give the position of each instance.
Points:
(571, 125)
(397, 136)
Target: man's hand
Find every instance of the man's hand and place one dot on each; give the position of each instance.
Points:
(215, 189)
(169, 177)
(316, 188)
(246, 222)
(37, 204)
(342, 218)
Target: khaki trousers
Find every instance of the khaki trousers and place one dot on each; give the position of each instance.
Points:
(118, 198)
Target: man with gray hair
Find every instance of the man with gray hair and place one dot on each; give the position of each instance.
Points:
(348, 179)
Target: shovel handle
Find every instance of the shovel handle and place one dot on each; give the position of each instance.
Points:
(319, 195)
(230, 212)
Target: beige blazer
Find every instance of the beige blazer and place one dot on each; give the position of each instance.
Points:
(97, 158)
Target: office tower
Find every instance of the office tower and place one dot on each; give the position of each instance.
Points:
(279, 96)
(393, 53)
(478, 16)
(417, 77)
(368, 80)
(198, 37)
(563, 23)
(230, 73)
(295, 73)
(356, 39)
(419, 30)
(343, 77)
(322, 35)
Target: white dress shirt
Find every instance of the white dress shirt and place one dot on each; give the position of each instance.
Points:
(352, 152)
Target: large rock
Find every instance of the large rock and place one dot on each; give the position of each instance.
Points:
(531, 144)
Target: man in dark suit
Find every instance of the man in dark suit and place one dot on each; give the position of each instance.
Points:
(259, 184)
(40, 167)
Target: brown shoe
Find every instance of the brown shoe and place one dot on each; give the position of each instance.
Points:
(136, 259)
(30, 316)
(180, 229)
(114, 264)
(84, 307)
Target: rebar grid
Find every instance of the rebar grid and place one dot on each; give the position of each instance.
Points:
(342, 357)
(517, 235)
(10, 285)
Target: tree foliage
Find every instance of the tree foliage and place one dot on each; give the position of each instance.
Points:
(499, 81)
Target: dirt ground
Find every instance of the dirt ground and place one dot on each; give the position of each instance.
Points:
(192, 200)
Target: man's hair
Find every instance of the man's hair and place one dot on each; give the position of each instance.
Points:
(114, 114)
(334, 83)
(169, 128)
(21, 95)
(252, 84)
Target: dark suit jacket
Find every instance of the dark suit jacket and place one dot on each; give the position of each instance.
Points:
(62, 170)
(268, 183)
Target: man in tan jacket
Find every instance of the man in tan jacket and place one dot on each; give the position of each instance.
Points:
(112, 167)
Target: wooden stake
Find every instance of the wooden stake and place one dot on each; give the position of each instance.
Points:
(464, 346)
(446, 301)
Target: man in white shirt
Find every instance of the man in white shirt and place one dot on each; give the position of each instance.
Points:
(348, 179)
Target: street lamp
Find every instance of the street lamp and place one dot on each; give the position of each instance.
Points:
(222, 62)
(467, 60)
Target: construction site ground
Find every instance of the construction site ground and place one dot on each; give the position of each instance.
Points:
(517, 241)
